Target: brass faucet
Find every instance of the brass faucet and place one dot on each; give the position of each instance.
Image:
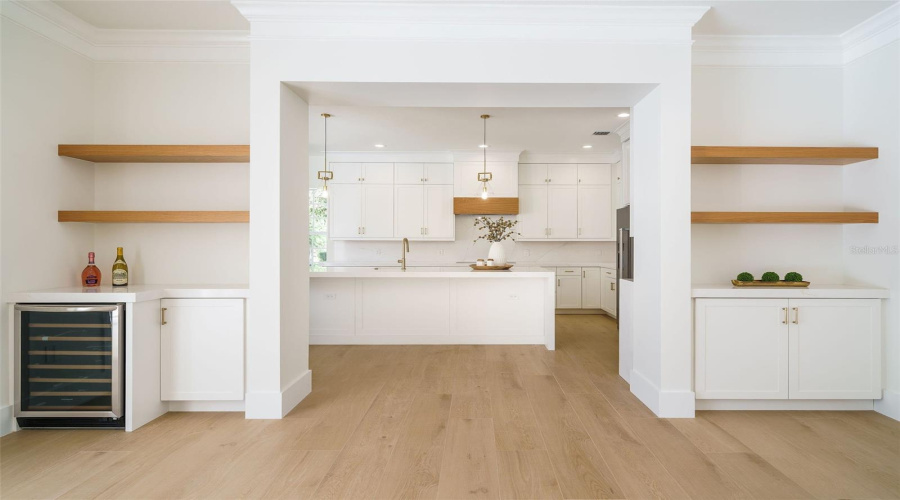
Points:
(405, 248)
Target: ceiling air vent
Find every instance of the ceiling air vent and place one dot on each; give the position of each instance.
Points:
(602, 132)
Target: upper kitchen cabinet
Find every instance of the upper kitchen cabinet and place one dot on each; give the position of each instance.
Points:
(361, 211)
(423, 173)
(362, 173)
(565, 202)
(424, 212)
(505, 182)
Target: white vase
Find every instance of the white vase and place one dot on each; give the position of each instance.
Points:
(498, 253)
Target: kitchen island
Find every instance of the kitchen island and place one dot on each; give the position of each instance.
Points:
(459, 306)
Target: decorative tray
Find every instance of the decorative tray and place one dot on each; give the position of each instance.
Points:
(771, 284)
(505, 267)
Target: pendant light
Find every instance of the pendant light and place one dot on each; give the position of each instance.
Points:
(484, 176)
(325, 175)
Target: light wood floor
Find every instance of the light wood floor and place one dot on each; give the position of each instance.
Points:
(467, 422)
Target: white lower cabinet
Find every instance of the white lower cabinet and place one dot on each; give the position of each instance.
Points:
(591, 288)
(202, 349)
(608, 291)
(787, 348)
(568, 291)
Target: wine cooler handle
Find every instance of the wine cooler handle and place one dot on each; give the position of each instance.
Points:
(163, 316)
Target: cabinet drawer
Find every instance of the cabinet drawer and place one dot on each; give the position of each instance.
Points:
(606, 271)
(568, 271)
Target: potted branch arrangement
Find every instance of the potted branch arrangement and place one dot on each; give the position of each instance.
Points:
(496, 232)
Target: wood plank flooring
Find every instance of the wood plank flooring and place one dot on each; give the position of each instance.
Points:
(458, 422)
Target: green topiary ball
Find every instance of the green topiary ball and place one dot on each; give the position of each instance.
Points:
(770, 276)
(792, 276)
(745, 277)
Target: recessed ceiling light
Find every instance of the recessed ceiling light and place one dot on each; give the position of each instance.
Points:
(482, 145)
(587, 146)
(379, 145)
(624, 115)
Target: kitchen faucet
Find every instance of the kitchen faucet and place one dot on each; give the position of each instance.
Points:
(405, 248)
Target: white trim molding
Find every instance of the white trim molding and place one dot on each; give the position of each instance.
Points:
(512, 20)
(665, 404)
(7, 422)
(889, 404)
(799, 51)
(117, 45)
(274, 404)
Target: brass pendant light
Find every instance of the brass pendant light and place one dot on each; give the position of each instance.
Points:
(325, 175)
(484, 176)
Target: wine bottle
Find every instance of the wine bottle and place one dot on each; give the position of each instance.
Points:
(119, 269)
(90, 277)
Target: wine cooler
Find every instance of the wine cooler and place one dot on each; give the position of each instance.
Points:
(69, 365)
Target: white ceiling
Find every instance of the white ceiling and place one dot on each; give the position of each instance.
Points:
(726, 17)
(541, 130)
(158, 14)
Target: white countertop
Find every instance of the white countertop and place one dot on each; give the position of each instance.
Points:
(133, 293)
(462, 272)
(813, 292)
(611, 265)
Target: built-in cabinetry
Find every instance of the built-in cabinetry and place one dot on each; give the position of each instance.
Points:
(780, 348)
(382, 201)
(504, 183)
(586, 288)
(201, 349)
(567, 202)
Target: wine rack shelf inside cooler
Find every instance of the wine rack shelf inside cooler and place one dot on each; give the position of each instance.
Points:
(69, 361)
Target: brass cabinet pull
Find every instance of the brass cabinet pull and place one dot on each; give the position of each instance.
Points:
(163, 315)
(557, 282)
(796, 315)
(785, 320)
(612, 286)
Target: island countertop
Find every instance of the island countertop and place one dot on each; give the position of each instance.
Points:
(411, 272)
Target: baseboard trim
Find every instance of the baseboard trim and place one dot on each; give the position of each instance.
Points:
(889, 404)
(785, 404)
(295, 392)
(274, 405)
(201, 406)
(664, 404)
(7, 422)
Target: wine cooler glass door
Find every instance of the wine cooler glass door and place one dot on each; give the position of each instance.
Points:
(69, 360)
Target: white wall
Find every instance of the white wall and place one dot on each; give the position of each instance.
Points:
(766, 107)
(872, 118)
(173, 103)
(47, 100)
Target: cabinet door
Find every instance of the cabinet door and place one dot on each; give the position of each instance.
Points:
(741, 348)
(626, 175)
(608, 294)
(346, 173)
(533, 212)
(440, 223)
(562, 173)
(345, 211)
(562, 215)
(439, 173)
(378, 211)
(378, 173)
(409, 173)
(835, 349)
(595, 213)
(533, 173)
(591, 288)
(202, 349)
(618, 185)
(594, 174)
(568, 292)
(409, 216)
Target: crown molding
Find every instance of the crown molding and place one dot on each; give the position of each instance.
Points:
(113, 45)
(872, 34)
(799, 51)
(474, 20)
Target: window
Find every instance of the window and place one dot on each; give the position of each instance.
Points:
(318, 228)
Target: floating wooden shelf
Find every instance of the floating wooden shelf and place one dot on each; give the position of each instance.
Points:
(147, 216)
(780, 155)
(490, 206)
(104, 153)
(784, 217)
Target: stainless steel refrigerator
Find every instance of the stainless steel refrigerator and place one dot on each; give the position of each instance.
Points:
(624, 249)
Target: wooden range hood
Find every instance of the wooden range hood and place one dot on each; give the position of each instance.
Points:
(490, 206)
